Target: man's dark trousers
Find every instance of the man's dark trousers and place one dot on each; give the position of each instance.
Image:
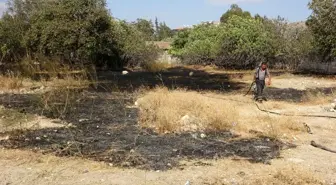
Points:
(260, 88)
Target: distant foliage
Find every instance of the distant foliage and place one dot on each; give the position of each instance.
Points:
(74, 33)
(322, 24)
(234, 10)
(243, 41)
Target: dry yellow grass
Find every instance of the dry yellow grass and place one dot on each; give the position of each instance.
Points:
(273, 127)
(183, 111)
(317, 97)
(11, 83)
(180, 110)
(157, 66)
(289, 176)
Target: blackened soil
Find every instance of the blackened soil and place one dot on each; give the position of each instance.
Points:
(104, 128)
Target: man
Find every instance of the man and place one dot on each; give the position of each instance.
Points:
(260, 76)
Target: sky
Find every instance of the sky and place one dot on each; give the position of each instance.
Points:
(179, 13)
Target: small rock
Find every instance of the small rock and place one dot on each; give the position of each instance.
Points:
(241, 173)
(169, 165)
(203, 136)
(110, 164)
(125, 72)
(158, 171)
(132, 151)
(187, 183)
(83, 120)
(191, 74)
(108, 134)
(86, 171)
(45, 136)
(38, 138)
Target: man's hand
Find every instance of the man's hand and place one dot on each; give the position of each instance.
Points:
(269, 82)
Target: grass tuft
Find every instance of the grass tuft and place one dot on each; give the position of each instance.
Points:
(183, 111)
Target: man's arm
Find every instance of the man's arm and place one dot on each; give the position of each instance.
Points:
(269, 77)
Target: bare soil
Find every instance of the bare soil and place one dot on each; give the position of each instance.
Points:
(100, 141)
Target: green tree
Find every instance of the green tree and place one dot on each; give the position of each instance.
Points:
(234, 10)
(244, 42)
(146, 28)
(202, 44)
(75, 30)
(179, 42)
(134, 49)
(164, 31)
(13, 26)
(157, 27)
(322, 23)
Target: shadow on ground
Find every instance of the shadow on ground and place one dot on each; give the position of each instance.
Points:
(106, 129)
(295, 95)
(177, 77)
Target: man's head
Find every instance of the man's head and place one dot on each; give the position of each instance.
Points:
(263, 65)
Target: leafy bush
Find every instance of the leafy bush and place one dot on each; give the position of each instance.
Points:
(242, 41)
(75, 33)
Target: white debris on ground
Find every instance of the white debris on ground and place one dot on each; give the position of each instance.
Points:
(125, 72)
(333, 106)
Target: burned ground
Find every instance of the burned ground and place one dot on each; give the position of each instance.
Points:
(106, 129)
(103, 126)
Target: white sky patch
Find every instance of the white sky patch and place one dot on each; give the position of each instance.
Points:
(3, 7)
(226, 2)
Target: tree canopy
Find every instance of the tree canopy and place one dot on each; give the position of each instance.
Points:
(322, 24)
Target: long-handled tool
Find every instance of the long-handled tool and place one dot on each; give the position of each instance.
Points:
(250, 88)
